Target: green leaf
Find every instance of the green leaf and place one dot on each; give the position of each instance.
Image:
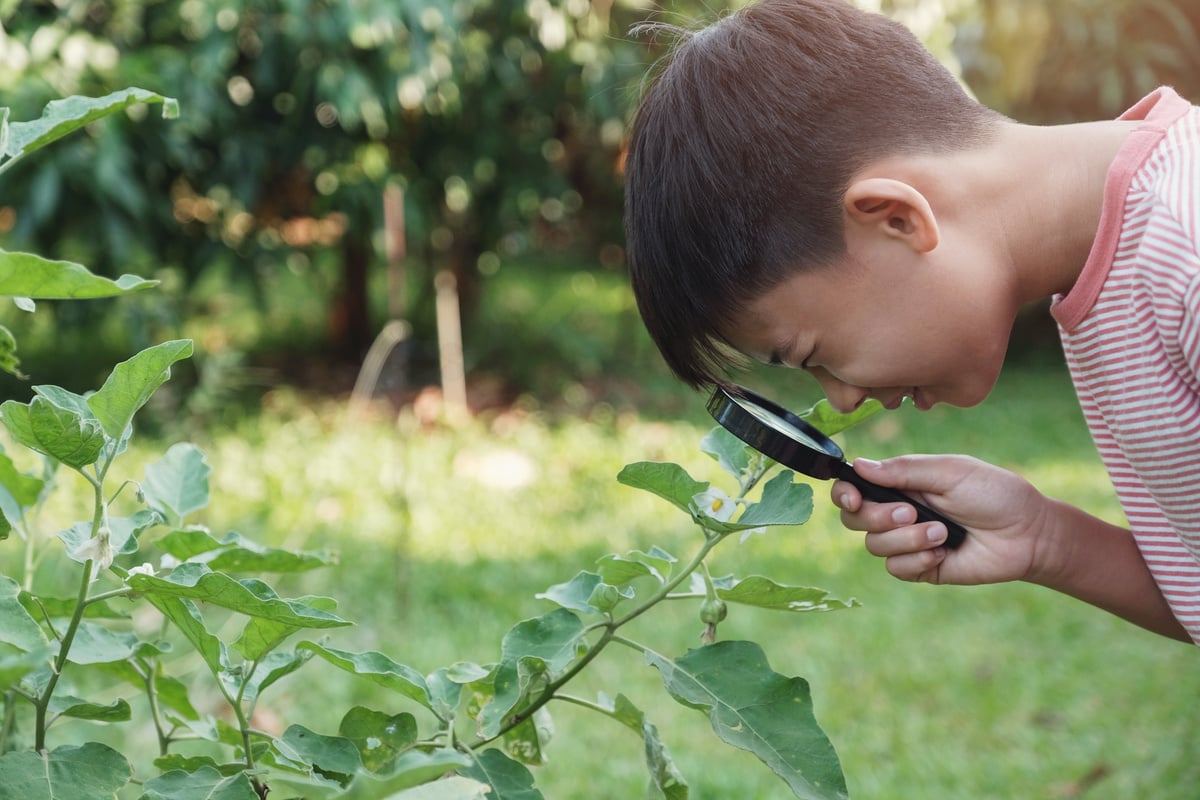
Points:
(507, 779)
(61, 117)
(52, 430)
(206, 783)
(669, 481)
(527, 742)
(15, 664)
(756, 709)
(621, 569)
(261, 636)
(585, 593)
(782, 503)
(8, 353)
(132, 382)
(251, 597)
(730, 452)
(533, 652)
(122, 533)
(411, 768)
(68, 706)
(378, 668)
(380, 738)
(663, 771)
(17, 627)
(29, 275)
(270, 669)
(18, 490)
(824, 418)
(94, 771)
(177, 484)
(184, 615)
(235, 553)
(766, 593)
(96, 644)
(335, 757)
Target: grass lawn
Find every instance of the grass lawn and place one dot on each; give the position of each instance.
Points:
(446, 536)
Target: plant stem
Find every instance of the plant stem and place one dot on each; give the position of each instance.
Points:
(64, 647)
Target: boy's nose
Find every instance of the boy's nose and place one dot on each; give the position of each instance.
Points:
(844, 397)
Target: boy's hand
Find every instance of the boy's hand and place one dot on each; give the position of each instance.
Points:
(1002, 512)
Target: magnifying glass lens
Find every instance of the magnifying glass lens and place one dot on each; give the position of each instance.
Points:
(789, 430)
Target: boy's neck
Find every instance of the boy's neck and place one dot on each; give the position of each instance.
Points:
(1054, 193)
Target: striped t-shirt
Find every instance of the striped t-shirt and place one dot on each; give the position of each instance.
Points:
(1130, 328)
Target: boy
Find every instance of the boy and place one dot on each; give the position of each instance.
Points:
(807, 186)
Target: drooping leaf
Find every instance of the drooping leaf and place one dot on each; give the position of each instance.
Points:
(262, 635)
(183, 614)
(132, 382)
(93, 770)
(762, 592)
(669, 481)
(68, 706)
(17, 627)
(377, 668)
(445, 686)
(30, 275)
(177, 484)
(756, 709)
(663, 771)
(379, 737)
(61, 117)
(508, 779)
(251, 597)
(123, 533)
(206, 783)
(527, 742)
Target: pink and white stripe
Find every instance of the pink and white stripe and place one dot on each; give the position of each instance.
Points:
(1131, 333)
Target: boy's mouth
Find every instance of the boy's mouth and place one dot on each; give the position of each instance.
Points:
(919, 400)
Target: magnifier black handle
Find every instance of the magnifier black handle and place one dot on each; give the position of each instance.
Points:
(955, 533)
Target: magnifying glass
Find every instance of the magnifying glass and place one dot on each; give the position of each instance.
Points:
(781, 435)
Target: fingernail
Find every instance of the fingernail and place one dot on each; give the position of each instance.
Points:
(903, 515)
(843, 502)
(936, 533)
(870, 462)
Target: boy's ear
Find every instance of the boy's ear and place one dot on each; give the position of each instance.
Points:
(893, 208)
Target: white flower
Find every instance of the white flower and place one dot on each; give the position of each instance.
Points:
(715, 504)
(145, 569)
(98, 550)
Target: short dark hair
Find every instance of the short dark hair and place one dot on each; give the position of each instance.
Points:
(745, 143)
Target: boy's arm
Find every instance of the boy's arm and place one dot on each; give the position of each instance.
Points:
(1015, 533)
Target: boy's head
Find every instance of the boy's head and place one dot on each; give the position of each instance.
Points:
(743, 149)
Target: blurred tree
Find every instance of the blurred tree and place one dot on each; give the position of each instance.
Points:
(1076, 60)
(502, 119)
